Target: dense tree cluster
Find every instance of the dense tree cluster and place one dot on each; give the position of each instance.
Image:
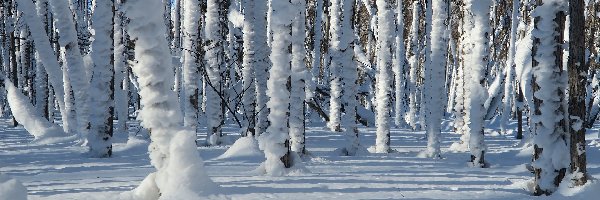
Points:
(272, 66)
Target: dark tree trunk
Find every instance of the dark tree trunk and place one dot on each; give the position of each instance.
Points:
(577, 68)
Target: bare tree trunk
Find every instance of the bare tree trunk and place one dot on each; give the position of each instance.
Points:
(577, 68)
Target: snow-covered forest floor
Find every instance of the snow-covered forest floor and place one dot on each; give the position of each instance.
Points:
(63, 171)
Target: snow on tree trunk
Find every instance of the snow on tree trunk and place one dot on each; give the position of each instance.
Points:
(385, 33)
(275, 141)
(413, 59)
(102, 105)
(67, 38)
(120, 69)
(476, 27)
(509, 94)
(180, 173)
(80, 15)
(337, 54)
(28, 116)
(399, 67)
(577, 91)
(315, 25)
(298, 78)
(344, 74)
(176, 47)
(523, 62)
(44, 50)
(551, 157)
(434, 73)
(190, 62)
(249, 67)
(42, 91)
(262, 64)
(215, 52)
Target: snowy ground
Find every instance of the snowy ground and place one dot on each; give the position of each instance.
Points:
(62, 171)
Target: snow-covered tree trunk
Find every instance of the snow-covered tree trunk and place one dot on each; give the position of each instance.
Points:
(413, 59)
(509, 94)
(249, 68)
(385, 33)
(80, 14)
(261, 70)
(298, 78)
(344, 69)
(190, 62)
(337, 56)
(314, 45)
(44, 50)
(592, 42)
(399, 67)
(436, 12)
(67, 38)
(176, 46)
(180, 173)
(551, 151)
(42, 90)
(120, 68)
(523, 62)
(578, 69)
(215, 52)
(476, 26)
(458, 77)
(103, 78)
(275, 141)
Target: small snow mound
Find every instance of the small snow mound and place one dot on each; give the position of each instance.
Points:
(136, 144)
(509, 132)
(298, 169)
(526, 186)
(11, 189)
(373, 149)
(493, 133)
(594, 143)
(591, 190)
(458, 147)
(243, 147)
(55, 140)
(526, 151)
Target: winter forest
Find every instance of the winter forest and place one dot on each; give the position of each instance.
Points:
(299, 99)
